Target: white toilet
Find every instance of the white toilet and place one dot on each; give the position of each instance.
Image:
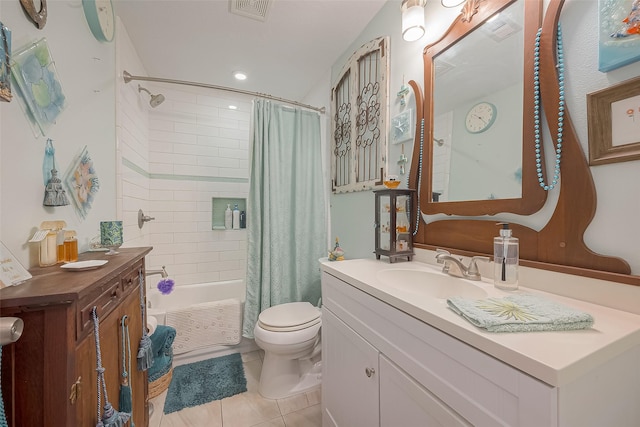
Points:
(289, 334)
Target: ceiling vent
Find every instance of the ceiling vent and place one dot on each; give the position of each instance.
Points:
(501, 28)
(254, 9)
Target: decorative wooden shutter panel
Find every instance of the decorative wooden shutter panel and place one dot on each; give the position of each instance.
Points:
(359, 105)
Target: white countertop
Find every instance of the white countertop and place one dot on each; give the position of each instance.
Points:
(557, 357)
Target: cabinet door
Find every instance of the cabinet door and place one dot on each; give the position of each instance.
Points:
(111, 349)
(404, 402)
(137, 379)
(349, 378)
(86, 393)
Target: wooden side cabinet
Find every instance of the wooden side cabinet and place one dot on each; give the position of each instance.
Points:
(49, 374)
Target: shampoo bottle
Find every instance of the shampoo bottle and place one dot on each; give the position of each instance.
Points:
(228, 217)
(505, 257)
(236, 217)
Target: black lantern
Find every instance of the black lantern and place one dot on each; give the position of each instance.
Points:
(394, 238)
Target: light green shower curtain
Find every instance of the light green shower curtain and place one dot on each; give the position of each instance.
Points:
(286, 213)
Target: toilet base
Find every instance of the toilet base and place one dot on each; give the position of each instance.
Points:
(282, 377)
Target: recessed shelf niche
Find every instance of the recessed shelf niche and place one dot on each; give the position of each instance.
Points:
(219, 205)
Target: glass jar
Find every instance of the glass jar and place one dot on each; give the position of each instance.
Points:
(71, 248)
(48, 250)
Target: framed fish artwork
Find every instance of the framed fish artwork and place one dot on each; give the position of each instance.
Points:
(619, 37)
(82, 183)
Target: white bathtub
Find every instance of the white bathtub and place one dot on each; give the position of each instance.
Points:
(188, 295)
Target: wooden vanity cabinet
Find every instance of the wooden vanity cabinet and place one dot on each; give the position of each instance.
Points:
(49, 374)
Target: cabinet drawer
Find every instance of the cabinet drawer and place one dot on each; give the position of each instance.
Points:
(105, 298)
(131, 277)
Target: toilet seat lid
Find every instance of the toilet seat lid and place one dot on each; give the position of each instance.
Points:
(289, 316)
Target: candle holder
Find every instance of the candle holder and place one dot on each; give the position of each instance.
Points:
(111, 235)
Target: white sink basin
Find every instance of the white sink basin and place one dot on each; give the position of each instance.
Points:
(430, 284)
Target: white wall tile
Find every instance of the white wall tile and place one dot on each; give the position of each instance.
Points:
(192, 134)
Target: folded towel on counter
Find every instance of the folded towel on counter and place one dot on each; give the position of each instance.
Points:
(520, 313)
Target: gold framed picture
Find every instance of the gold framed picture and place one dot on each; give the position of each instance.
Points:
(613, 120)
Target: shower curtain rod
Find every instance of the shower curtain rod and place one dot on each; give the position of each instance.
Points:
(128, 77)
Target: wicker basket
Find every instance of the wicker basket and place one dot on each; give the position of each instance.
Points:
(161, 384)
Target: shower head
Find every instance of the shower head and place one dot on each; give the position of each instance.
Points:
(155, 99)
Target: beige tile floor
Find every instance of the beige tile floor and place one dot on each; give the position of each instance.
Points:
(247, 409)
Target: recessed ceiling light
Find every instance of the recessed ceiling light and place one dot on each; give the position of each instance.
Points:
(233, 107)
(240, 75)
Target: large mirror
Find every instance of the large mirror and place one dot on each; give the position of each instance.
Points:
(559, 244)
(480, 79)
(477, 121)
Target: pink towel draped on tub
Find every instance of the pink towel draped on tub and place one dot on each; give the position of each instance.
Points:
(206, 324)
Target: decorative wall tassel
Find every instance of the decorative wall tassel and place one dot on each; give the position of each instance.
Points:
(49, 161)
(54, 194)
(125, 403)
(111, 417)
(145, 351)
(145, 356)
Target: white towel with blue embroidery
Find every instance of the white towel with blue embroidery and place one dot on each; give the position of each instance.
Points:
(520, 313)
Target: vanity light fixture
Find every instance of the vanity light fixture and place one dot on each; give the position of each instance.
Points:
(240, 75)
(233, 107)
(412, 19)
(451, 3)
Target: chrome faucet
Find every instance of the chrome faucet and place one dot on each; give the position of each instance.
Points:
(455, 267)
(161, 272)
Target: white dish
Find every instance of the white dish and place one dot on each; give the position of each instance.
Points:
(84, 265)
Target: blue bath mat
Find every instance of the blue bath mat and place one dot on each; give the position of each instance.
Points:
(202, 382)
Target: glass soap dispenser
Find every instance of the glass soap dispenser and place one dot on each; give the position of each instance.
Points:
(505, 257)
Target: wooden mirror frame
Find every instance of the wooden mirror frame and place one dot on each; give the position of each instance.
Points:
(559, 245)
(474, 14)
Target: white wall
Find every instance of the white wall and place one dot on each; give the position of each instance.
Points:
(172, 160)
(132, 152)
(86, 71)
(198, 149)
(319, 97)
(614, 229)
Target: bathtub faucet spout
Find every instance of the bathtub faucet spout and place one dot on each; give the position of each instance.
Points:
(161, 272)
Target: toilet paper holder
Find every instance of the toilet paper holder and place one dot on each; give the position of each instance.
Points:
(10, 329)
